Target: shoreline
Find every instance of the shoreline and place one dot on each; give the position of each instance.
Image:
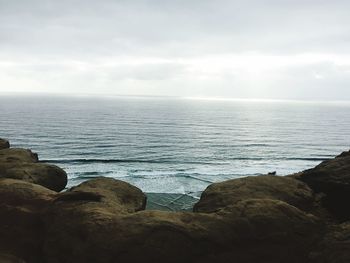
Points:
(252, 219)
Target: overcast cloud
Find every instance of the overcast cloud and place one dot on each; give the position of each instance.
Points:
(276, 49)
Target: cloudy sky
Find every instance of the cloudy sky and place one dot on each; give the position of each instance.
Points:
(272, 49)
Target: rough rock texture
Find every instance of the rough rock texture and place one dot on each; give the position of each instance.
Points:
(257, 231)
(268, 231)
(218, 196)
(335, 246)
(116, 194)
(86, 213)
(4, 144)
(23, 164)
(47, 175)
(6, 258)
(21, 228)
(14, 155)
(332, 178)
(263, 219)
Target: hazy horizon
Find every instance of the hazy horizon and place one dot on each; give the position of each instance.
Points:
(344, 102)
(174, 145)
(290, 50)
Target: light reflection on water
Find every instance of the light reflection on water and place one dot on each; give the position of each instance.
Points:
(174, 145)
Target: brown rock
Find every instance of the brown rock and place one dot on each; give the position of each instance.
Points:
(14, 155)
(86, 229)
(21, 228)
(22, 164)
(335, 246)
(47, 175)
(91, 206)
(218, 196)
(17, 192)
(114, 193)
(332, 178)
(6, 258)
(271, 231)
(262, 219)
(4, 144)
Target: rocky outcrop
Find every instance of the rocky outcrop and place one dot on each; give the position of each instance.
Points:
(118, 195)
(4, 144)
(335, 246)
(92, 215)
(249, 232)
(332, 178)
(15, 156)
(262, 219)
(89, 215)
(23, 164)
(221, 195)
(47, 175)
(21, 227)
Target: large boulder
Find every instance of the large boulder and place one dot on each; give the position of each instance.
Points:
(98, 222)
(219, 196)
(18, 192)
(21, 205)
(4, 144)
(47, 175)
(332, 177)
(114, 193)
(263, 231)
(87, 212)
(14, 156)
(23, 164)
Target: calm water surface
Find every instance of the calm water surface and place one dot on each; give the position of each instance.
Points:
(174, 145)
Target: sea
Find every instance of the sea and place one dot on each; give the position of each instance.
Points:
(173, 148)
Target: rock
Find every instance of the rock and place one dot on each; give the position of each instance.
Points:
(114, 193)
(106, 237)
(6, 258)
(332, 177)
(101, 216)
(17, 192)
(4, 144)
(23, 164)
(271, 231)
(14, 155)
(218, 196)
(91, 206)
(263, 219)
(335, 246)
(21, 205)
(90, 224)
(47, 175)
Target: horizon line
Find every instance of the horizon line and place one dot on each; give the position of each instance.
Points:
(147, 96)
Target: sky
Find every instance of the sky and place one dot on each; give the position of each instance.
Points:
(251, 49)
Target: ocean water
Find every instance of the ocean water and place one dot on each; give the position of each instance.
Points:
(176, 146)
